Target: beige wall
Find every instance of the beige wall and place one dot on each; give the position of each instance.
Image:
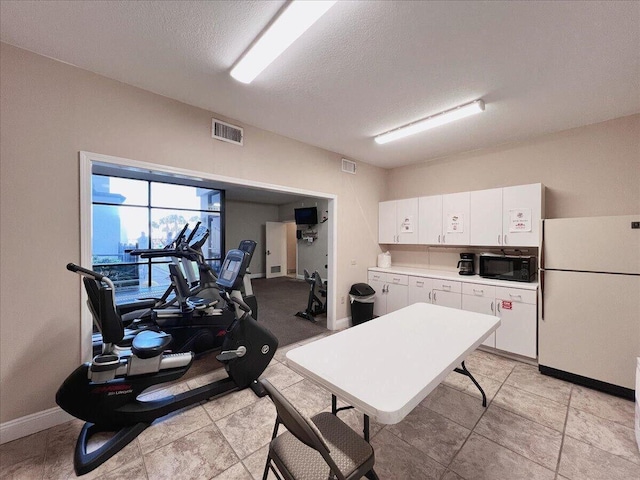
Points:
(49, 112)
(588, 171)
(311, 256)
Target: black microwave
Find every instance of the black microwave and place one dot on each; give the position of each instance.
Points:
(504, 267)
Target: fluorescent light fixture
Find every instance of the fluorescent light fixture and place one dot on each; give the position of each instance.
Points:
(293, 22)
(436, 120)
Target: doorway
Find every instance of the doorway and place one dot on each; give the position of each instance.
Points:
(88, 159)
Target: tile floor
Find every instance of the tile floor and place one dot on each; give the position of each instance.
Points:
(535, 427)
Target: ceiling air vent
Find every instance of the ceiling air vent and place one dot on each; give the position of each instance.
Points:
(348, 166)
(227, 132)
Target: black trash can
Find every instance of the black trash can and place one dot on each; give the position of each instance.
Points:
(361, 297)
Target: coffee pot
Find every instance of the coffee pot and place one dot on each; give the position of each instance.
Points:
(466, 264)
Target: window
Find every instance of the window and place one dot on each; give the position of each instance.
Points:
(138, 213)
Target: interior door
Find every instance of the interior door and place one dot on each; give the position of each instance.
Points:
(276, 249)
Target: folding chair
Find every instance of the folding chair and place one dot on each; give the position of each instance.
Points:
(322, 447)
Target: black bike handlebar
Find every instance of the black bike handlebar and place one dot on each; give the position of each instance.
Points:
(72, 267)
(243, 306)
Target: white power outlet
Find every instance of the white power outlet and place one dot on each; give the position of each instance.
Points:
(353, 263)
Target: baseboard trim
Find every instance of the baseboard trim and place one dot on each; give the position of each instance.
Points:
(342, 323)
(30, 424)
(605, 387)
(257, 275)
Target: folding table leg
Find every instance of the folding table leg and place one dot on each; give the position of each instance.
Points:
(466, 372)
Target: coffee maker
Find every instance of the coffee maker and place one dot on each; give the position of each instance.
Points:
(466, 264)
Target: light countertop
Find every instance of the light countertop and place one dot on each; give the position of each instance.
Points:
(450, 275)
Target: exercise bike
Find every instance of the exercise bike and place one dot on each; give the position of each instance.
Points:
(105, 392)
(315, 305)
(193, 316)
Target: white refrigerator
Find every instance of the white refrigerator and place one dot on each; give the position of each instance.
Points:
(589, 310)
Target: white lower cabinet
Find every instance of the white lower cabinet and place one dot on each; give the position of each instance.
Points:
(391, 292)
(517, 310)
(419, 290)
(516, 307)
(480, 299)
(447, 293)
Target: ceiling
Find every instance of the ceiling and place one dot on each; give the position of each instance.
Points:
(365, 67)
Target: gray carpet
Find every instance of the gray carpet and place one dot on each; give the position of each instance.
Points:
(278, 301)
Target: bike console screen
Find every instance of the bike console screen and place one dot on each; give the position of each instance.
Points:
(233, 269)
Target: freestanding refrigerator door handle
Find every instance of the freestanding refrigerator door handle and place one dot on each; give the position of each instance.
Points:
(542, 295)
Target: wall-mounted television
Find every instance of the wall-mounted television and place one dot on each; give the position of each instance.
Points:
(306, 216)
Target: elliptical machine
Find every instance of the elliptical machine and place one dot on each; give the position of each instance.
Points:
(315, 305)
(104, 393)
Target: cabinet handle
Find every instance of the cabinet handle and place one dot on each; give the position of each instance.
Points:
(420, 284)
(515, 296)
(396, 280)
(499, 239)
(429, 296)
(498, 303)
(492, 310)
(443, 239)
(434, 296)
(478, 292)
(446, 287)
(438, 238)
(505, 239)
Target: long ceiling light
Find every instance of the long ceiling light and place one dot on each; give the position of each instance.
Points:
(432, 121)
(292, 22)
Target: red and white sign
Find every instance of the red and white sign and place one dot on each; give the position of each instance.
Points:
(507, 305)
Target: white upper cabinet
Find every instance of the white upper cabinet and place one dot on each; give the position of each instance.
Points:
(507, 216)
(387, 222)
(522, 209)
(502, 217)
(430, 220)
(455, 219)
(486, 217)
(398, 221)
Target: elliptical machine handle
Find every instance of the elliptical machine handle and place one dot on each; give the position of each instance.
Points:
(72, 267)
(243, 306)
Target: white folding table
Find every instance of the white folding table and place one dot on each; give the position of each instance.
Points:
(387, 366)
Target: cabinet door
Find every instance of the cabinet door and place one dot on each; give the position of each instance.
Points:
(485, 217)
(380, 305)
(387, 222)
(396, 297)
(455, 219)
(430, 220)
(486, 305)
(446, 299)
(517, 331)
(524, 200)
(407, 221)
(419, 290)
